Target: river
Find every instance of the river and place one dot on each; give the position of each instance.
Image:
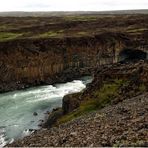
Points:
(17, 108)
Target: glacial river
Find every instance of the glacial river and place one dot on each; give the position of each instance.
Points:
(17, 107)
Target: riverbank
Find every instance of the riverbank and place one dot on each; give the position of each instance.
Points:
(67, 75)
(112, 111)
(124, 124)
(22, 112)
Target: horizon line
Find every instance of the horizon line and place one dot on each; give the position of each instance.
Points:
(75, 10)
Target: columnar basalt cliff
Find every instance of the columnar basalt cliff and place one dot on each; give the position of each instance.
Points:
(25, 63)
(33, 62)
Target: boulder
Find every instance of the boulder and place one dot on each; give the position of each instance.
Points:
(35, 113)
(70, 103)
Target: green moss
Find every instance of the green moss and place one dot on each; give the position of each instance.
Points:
(106, 94)
(86, 107)
(4, 36)
(126, 143)
(2, 27)
(100, 99)
(81, 18)
(142, 88)
(60, 31)
(50, 34)
(82, 33)
(5, 27)
(138, 30)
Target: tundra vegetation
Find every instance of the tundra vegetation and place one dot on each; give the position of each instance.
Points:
(12, 28)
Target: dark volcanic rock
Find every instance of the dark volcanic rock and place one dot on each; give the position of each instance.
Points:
(69, 103)
(52, 118)
(35, 113)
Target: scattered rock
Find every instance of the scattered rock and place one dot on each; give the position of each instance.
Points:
(73, 134)
(35, 113)
(55, 109)
(31, 130)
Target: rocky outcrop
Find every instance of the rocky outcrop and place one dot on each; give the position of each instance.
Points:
(52, 118)
(134, 74)
(70, 102)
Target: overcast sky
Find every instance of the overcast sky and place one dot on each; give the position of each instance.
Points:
(71, 5)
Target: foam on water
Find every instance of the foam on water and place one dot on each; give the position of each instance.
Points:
(2, 137)
(17, 107)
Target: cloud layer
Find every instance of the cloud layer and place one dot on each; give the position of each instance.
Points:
(71, 5)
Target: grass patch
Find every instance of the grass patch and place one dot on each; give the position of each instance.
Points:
(50, 34)
(2, 27)
(100, 99)
(82, 33)
(4, 36)
(142, 88)
(5, 27)
(80, 18)
(60, 31)
(138, 30)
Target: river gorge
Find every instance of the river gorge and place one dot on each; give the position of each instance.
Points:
(45, 63)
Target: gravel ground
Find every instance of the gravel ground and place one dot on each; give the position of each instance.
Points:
(124, 124)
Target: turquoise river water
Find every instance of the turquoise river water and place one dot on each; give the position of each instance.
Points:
(17, 107)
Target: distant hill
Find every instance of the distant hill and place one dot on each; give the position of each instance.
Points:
(61, 13)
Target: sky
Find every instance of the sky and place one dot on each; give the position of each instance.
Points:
(71, 5)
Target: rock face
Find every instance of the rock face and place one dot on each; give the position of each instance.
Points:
(25, 63)
(70, 102)
(52, 118)
(33, 62)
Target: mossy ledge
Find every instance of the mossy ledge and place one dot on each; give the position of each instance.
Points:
(98, 99)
